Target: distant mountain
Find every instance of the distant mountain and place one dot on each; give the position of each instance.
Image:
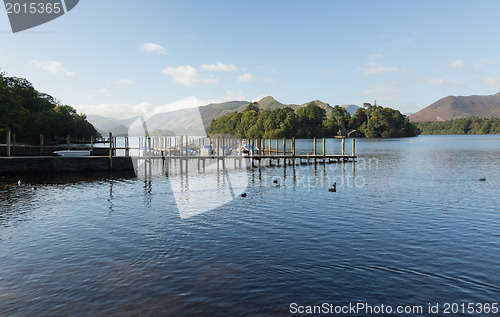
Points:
(187, 121)
(453, 107)
(180, 122)
(321, 104)
(269, 103)
(215, 110)
(351, 108)
(106, 125)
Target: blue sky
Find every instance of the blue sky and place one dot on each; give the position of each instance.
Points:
(123, 58)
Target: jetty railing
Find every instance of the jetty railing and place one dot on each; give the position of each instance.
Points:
(185, 147)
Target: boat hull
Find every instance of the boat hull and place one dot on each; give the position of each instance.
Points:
(72, 153)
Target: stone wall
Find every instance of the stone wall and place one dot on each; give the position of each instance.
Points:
(10, 166)
(21, 150)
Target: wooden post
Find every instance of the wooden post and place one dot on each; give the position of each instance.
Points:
(127, 149)
(180, 145)
(67, 141)
(293, 147)
(8, 142)
(269, 147)
(187, 153)
(110, 145)
(324, 149)
(223, 147)
(110, 151)
(353, 146)
(284, 146)
(13, 144)
(41, 144)
(314, 149)
(343, 146)
(218, 147)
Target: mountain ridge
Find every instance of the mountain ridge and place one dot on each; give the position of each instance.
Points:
(454, 107)
(187, 118)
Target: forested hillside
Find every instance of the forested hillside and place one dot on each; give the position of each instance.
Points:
(471, 125)
(29, 113)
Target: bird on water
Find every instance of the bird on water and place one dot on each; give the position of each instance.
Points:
(483, 179)
(334, 188)
(244, 195)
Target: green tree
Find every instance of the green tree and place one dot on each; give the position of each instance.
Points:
(28, 113)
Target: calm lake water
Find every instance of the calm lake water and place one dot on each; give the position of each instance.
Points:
(410, 224)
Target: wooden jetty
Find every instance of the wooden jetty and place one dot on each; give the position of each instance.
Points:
(182, 151)
(257, 154)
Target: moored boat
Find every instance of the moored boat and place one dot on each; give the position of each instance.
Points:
(73, 153)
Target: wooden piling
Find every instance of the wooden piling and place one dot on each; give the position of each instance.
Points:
(127, 149)
(293, 146)
(181, 147)
(13, 144)
(110, 151)
(41, 144)
(343, 146)
(284, 146)
(324, 148)
(8, 142)
(353, 146)
(314, 148)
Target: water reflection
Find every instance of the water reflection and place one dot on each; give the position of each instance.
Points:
(413, 231)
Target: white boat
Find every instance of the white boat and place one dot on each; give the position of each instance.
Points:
(73, 153)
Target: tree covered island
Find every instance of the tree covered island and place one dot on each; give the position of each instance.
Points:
(311, 121)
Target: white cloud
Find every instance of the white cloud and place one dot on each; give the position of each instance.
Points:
(234, 95)
(152, 48)
(52, 67)
(245, 78)
(440, 82)
(219, 67)
(483, 63)
(376, 69)
(269, 80)
(103, 91)
(455, 63)
(184, 75)
(188, 76)
(124, 82)
(389, 91)
(211, 80)
(266, 69)
(491, 81)
(375, 56)
(115, 110)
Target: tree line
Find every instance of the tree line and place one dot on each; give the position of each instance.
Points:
(29, 113)
(311, 121)
(471, 125)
